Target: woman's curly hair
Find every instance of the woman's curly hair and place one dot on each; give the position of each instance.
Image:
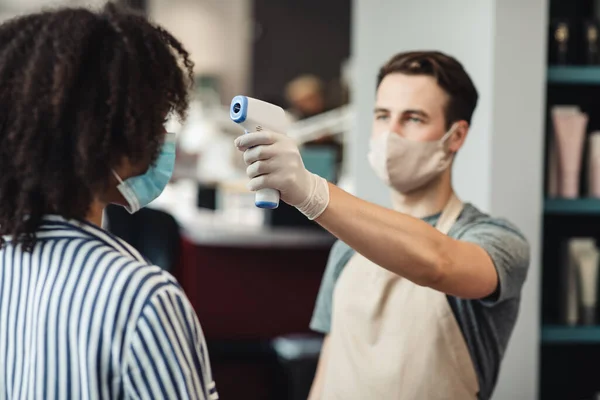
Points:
(80, 91)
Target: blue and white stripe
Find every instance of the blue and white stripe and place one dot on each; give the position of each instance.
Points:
(85, 316)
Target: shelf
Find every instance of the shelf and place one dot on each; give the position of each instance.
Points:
(568, 334)
(574, 75)
(572, 206)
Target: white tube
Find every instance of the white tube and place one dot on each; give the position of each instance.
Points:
(553, 189)
(553, 161)
(594, 165)
(588, 281)
(570, 279)
(569, 131)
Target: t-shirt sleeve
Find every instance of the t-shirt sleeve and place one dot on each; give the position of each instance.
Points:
(509, 251)
(167, 355)
(338, 258)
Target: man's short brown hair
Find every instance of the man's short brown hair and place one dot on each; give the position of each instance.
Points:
(449, 75)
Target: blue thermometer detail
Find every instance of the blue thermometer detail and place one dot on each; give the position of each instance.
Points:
(269, 205)
(239, 109)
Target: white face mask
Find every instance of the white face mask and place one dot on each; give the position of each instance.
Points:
(405, 164)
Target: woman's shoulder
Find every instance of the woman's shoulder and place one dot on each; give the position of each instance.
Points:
(125, 274)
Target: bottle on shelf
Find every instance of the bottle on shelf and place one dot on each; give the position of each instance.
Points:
(594, 164)
(569, 127)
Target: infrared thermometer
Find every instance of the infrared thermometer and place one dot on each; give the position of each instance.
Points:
(256, 115)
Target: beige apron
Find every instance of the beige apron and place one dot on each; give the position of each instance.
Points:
(393, 339)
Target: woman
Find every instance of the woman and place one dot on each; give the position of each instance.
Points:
(84, 97)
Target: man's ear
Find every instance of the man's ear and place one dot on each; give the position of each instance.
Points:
(457, 138)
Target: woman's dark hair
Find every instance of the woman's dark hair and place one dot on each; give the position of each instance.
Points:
(79, 92)
(449, 75)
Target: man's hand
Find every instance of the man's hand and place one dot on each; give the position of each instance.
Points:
(274, 162)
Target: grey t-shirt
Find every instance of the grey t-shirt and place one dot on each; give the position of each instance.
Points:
(485, 323)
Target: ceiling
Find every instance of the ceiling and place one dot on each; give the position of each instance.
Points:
(12, 8)
(18, 6)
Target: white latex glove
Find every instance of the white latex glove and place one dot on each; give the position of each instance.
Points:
(274, 162)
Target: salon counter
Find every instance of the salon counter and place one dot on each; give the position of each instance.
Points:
(205, 227)
(206, 231)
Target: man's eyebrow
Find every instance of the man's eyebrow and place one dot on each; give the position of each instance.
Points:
(422, 113)
(407, 111)
(413, 111)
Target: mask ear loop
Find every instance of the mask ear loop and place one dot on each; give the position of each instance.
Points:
(117, 176)
(444, 139)
(128, 195)
(449, 133)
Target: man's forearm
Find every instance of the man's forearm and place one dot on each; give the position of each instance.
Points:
(398, 242)
(410, 247)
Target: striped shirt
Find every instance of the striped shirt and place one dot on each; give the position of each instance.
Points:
(85, 316)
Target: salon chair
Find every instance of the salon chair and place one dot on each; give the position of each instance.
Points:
(298, 356)
(154, 233)
(279, 369)
(247, 369)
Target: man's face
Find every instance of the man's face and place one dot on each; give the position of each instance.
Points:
(411, 106)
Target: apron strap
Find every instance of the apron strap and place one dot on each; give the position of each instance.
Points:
(450, 214)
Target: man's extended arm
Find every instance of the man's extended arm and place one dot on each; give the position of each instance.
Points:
(398, 242)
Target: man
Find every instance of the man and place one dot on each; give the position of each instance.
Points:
(417, 302)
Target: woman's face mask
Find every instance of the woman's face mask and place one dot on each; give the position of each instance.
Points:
(405, 164)
(139, 191)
